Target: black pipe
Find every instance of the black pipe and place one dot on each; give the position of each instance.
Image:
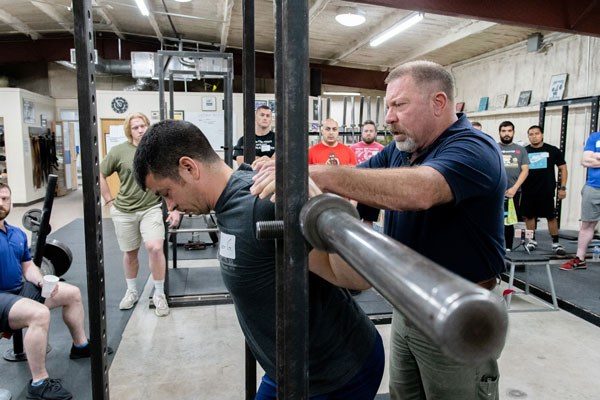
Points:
(44, 228)
(292, 314)
(248, 78)
(88, 128)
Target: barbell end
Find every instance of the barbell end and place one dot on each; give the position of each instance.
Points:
(269, 230)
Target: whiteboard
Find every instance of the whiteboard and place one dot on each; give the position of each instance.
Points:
(212, 124)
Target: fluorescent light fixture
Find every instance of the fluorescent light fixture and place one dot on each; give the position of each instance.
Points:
(403, 25)
(143, 8)
(350, 16)
(341, 93)
(183, 1)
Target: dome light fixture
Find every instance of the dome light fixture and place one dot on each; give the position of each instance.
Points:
(350, 16)
(183, 1)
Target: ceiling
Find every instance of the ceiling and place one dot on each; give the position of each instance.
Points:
(441, 38)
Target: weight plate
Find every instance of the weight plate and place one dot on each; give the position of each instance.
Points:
(59, 255)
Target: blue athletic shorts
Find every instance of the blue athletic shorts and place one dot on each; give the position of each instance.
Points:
(8, 299)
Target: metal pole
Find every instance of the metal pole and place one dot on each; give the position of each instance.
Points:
(228, 106)
(86, 94)
(328, 113)
(292, 314)
(378, 111)
(344, 114)
(161, 88)
(563, 145)
(369, 109)
(171, 97)
(361, 110)
(248, 78)
(468, 322)
(249, 83)
(282, 183)
(352, 119)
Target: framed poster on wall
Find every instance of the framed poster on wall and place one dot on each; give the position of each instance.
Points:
(209, 103)
(28, 112)
(557, 87)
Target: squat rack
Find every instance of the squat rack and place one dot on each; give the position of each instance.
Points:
(565, 104)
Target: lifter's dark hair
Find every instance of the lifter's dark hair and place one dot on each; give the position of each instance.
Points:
(504, 124)
(535, 127)
(163, 145)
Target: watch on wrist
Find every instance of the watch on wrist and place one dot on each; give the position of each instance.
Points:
(562, 188)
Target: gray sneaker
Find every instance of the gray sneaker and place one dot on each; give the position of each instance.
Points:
(131, 297)
(531, 245)
(161, 308)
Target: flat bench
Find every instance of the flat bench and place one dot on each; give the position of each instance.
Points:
(529, 260)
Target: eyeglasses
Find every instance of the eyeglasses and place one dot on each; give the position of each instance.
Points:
(328, 129)
(138, 127)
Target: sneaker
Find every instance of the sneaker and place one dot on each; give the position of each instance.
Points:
(161, 307)
(84, 352)
(131, 297)
(558, 249)
(531, 245)
(508, 250)
(51, 389)
(575, 263)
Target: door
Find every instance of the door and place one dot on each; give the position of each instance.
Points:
(105, 124)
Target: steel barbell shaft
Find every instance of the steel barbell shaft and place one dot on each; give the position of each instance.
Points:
(468, 322)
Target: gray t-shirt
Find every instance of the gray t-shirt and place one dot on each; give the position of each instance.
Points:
(341, 336)
(514, 157)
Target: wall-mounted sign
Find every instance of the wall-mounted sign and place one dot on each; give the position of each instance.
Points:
(119, 105)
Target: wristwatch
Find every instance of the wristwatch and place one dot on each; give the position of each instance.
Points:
(562, 188)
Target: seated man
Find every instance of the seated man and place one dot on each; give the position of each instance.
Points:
(22, 306)
(345, 350)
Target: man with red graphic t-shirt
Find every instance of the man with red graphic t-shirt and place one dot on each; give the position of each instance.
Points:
(367, 147)
(329, 151)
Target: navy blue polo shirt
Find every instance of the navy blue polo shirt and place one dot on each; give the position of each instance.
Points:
(13, 251)
(467, 235)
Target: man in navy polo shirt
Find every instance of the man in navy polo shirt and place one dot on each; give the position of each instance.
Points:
(22, 306)
(443, 184)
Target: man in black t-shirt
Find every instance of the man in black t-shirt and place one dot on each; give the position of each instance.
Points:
(345, 354)
(264, 137)
(537, 200)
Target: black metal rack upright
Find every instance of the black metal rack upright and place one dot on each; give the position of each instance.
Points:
(565, 104)
(88, 129)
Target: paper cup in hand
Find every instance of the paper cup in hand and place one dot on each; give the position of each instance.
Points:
(49, 284)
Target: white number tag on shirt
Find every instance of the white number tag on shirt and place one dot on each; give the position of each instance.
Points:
(265, 148)
(227, 245)
(597, 143)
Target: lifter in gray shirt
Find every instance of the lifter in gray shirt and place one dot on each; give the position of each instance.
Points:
(516, 163)
(346, 357)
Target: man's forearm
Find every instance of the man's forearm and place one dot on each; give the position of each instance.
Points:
(32, 273)
(405, 189)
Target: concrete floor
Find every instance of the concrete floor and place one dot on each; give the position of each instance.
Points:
(197, 352)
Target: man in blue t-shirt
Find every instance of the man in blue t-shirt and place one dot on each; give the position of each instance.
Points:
(345, 354)
(22, 306)
(446, 201)
(590, 202)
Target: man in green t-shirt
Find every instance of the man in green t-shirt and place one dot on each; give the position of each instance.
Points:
(137, 216)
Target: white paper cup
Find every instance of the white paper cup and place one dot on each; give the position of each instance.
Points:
(49, 284)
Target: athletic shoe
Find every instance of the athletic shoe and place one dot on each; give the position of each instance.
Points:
(51, 389)
(575, 263)
(531, 245)
(161, 307)
(84, 352)
(131, 297)
(508, 250)
(558, 249)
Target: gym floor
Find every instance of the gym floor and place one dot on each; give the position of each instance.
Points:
(198, 352)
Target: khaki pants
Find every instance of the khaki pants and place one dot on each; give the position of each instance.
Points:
(419, 371)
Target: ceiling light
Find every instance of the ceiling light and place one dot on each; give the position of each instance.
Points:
(350, 16)
(183, 1)
(143, 8)
(341, 93)
(403, 25)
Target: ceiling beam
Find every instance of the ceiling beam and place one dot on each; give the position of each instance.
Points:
(453, 35)
(50, 11)
(572, 16)
(226, 18)
(17, 24)
(316, 9)
(106, 16)
(383, 24)
(154, 24)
